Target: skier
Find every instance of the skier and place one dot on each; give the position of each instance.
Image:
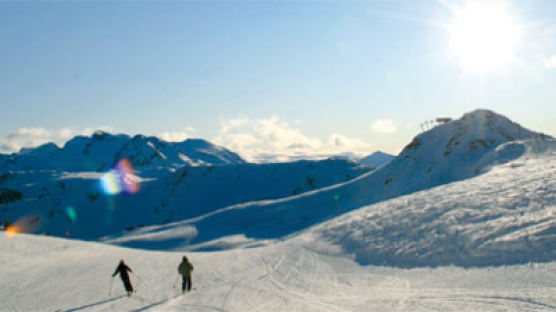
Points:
(123, 269)
(185, 269)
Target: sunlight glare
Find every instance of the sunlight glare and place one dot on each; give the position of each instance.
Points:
(483, 36)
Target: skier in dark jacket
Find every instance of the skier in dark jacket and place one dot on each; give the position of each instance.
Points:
(185, 268)
(123, 269)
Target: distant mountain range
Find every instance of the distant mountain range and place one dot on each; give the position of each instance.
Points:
(195, 195)
(454, 151)
(72, 191)
(102, 150)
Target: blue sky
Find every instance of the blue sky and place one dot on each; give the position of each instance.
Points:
(282, 78)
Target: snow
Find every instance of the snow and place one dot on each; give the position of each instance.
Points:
(298, 195)
(376, 159)
(102, 150)
(164, 196)
(461, 220)
(52, 274)
(502, 217)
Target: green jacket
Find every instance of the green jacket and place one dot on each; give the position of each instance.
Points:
(185, 269)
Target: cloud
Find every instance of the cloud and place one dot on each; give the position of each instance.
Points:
(551, 62)
(280, 135)
(176, 136)
(383, 126)
(342, 143)
(32, 137)
(272, 139)
(233, 123)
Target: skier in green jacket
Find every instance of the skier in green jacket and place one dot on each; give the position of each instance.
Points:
(185, 268)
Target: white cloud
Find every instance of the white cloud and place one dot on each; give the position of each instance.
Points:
(280, 135)
(176, 136)
(242, 140)
(551, 62)
(342, 143)
(383, 126)
(272, 139)
(89, 131)
(233, 123)
(32, 137)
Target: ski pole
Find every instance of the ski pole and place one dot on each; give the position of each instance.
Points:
(110, 289)
(177, 277)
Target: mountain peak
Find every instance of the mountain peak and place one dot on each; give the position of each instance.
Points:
(480, 124)
(376, 159)
(44, 148)
(454, 149)
(102, 150)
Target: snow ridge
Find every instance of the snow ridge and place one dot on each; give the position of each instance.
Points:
(455, 151)
(190, 191)
(376, 159)
(502, 217)
(102, 150)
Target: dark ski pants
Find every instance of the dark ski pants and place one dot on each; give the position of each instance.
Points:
(186, 283)
(127, 284)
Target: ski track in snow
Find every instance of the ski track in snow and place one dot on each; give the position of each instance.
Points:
(74, 276)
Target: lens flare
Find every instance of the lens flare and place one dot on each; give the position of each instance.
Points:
(128, 180)
(120, 179)
(25, 224)
(109, 183)
(70, 212)
(11, 231)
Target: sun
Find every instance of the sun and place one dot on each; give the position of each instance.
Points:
(483, 36)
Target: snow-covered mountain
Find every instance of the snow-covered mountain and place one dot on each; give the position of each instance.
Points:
(102, 150)
(76, 204)
(502, 217)
(253, 202)
(483, 197)
(376, 159)
(447, 153)
(263, 157)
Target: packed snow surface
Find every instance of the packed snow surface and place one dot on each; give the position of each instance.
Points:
(52, 274)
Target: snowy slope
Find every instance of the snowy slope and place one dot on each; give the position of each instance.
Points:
(52, 274)
(102, 150)
(74, 203)
(444, 154)
(502, 217)
(376, 159)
